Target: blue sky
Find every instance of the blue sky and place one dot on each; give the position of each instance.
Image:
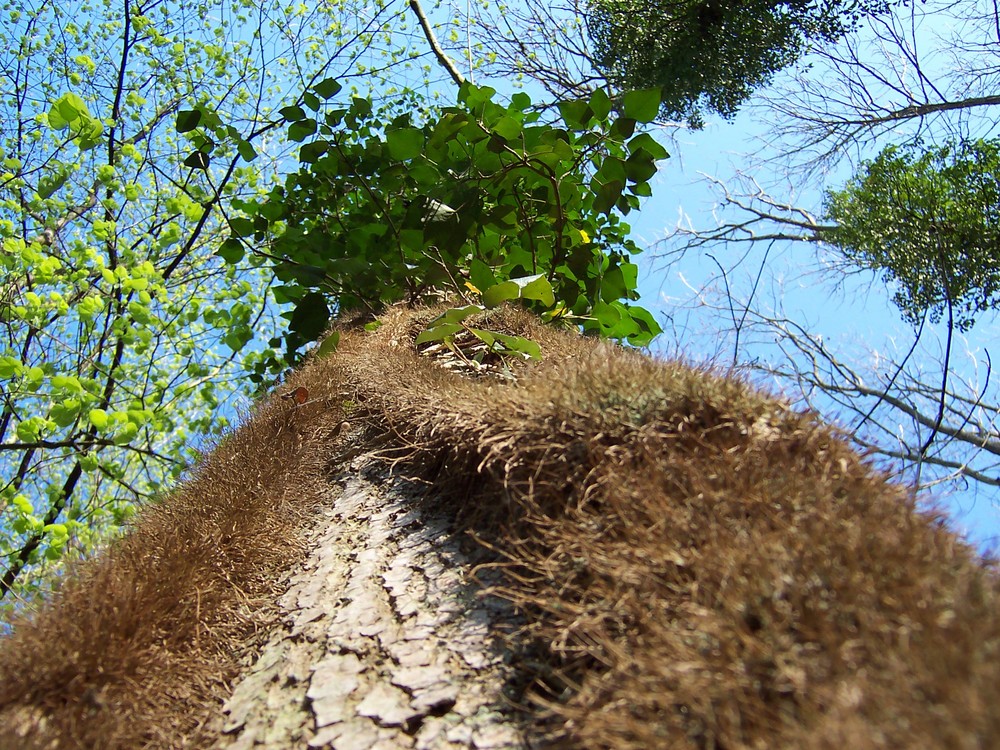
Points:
(854, 314)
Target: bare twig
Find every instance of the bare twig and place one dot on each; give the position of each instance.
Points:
(446, 62)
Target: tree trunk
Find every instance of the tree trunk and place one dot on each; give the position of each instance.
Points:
(384, 638)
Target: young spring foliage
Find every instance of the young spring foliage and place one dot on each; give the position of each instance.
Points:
(387, 208)
(929, 218)
(124, 128)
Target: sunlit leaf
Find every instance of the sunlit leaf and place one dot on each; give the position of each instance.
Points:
(535, 287)
(642, 106)
(404, 143)
(437, 333)
(66, 110)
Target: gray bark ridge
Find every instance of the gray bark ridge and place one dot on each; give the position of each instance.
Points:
(384, 639)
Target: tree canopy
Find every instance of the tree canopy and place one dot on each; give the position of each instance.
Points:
(929, 219)
(710, 55)
(123, 334)
(387, 208)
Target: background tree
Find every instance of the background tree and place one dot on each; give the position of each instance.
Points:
(904, 104)
(928, 219)
(125, 131)
(711, 55)
(707, 57)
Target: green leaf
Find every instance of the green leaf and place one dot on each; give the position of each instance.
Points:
(66, 110)
(241, 226)
(49, 184)
(614, 320)
(98, 418)
(57, 530)
(600, 104)
(330, 343)
(311, 316)
(646, 142)
(404, 143)
(649, 328)
(68, 383)
(188, 119)
(300, 130)
(640, 167)
(10, 367)
(65, 413)
(622, 128)
(197, 160)
(89, 134)
(612, 169)
(520, 101)
(535, 287)
(231, 251)
(607, 195)
(475, 96)
(510, 344)
(246, 150)
(236, 338)
(508, 128)
(456, 314)
(327, 88)
(140, 313)
(576, 114)
(481, 275)
(126, 434)
(27, 431)
(310, 152)
(642, 106)
(613, 285)
(437, 333)
(292, 114)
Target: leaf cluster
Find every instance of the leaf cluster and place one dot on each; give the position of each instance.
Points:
(710, 54)
(929, 219)
(124, 128)
(386, 208)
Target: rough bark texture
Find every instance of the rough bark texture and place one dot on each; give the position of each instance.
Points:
(385, 639)
(691, 565)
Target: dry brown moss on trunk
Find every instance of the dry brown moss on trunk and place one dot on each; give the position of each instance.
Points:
(138, 647)
(703, 568)
(706, 568)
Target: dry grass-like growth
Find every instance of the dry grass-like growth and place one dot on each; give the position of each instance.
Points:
(702, 568)
(137, 647)
(706, 568)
